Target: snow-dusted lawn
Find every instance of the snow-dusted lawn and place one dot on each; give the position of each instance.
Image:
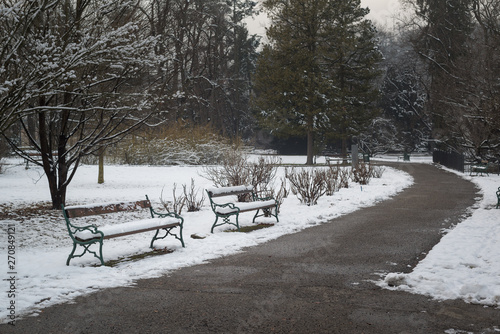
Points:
(42, 242)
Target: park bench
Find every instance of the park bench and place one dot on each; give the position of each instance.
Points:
(35, 156)
(88, 235)
(484, 167)
(226, 210)
(337, 159)
(479, 169)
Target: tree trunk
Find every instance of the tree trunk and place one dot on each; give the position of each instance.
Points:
(100, 177)
(310, 148)
(344, 150)
(56, 173)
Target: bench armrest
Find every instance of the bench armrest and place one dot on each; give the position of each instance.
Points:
(225, 209)
(155, 214)
(73, 229)
(91, 228)
(257, 198)
(225, 205)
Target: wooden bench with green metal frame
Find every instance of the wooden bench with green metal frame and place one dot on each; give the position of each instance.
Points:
(479, 169)
(265, 205)
(89, 235)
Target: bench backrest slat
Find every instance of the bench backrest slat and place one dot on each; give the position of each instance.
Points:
(228, 191)
(83, 211)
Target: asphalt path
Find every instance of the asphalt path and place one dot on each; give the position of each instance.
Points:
(319, 280)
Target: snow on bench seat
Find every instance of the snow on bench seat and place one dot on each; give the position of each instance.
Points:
(113, 231)
(226, 191)
(264, 207)
(84, 237)
(246, 206)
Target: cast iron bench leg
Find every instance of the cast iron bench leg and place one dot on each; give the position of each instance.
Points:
(167, 232)
(71, 254)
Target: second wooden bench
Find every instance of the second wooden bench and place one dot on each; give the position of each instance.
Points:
(264, 206)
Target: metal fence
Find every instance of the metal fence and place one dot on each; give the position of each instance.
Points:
(449, 159)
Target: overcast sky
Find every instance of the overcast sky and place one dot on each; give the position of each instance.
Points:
(380, 11)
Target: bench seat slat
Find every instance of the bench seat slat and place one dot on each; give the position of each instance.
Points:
(246, 206)
(227, 191)
(113, 231)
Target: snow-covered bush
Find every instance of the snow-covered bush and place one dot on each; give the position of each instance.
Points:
(332, 183)
(232, 171)
(362, 173)
(235, 169)
(187, 199)
(345, 177)
(378, 171)
(282, 193)
(308, 184)
(176, 204)
(175, 151)
(193, 203)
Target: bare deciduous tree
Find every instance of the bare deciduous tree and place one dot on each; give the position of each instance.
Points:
(86, 67)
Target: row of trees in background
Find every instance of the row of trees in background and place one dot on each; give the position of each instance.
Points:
(317, 78)
(442, 80)
(77, 76)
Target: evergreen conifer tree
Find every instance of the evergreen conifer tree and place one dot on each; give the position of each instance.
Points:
(315, 77)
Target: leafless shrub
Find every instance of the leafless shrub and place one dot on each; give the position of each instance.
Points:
(237, 170)
(344, 177)
(191, 198)
(177, 144)
(263, 174)
(176, 204)
(231, 172)
(282, 193)
(332, 179)
(362, 173)
(377, 172)
(308, 184)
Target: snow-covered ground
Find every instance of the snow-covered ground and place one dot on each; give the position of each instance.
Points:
(464, 265)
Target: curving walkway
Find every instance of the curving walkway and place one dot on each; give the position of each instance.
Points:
(315, 281)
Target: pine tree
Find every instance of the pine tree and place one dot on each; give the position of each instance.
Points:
(315, 76)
